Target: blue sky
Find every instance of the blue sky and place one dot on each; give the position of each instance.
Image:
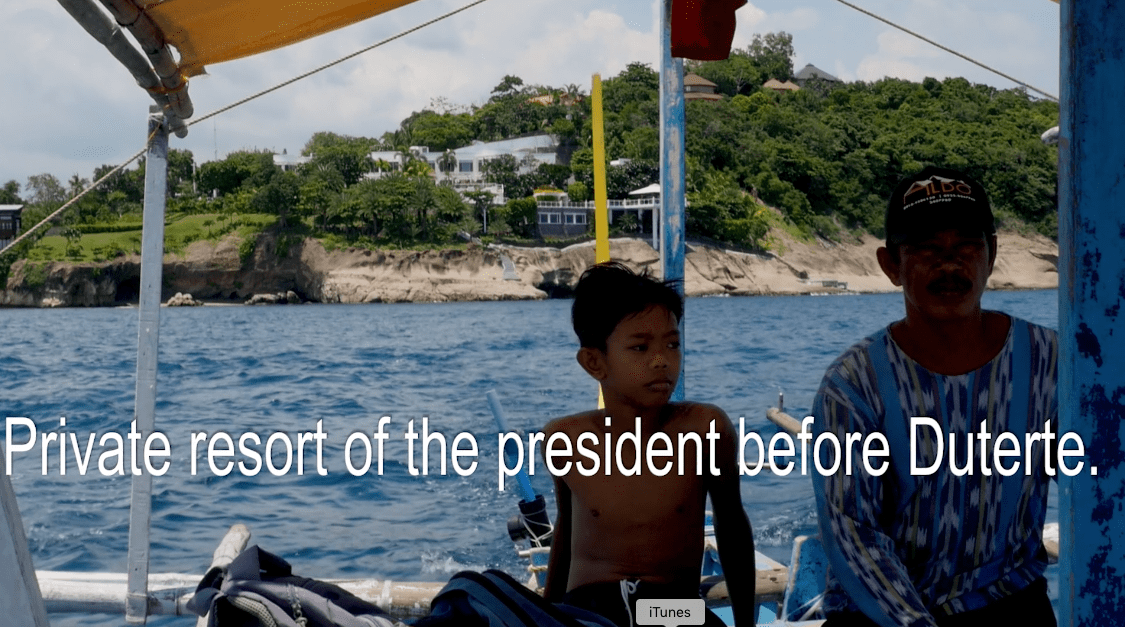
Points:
(69, 107)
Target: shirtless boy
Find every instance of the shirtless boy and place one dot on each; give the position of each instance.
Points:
(622, 538)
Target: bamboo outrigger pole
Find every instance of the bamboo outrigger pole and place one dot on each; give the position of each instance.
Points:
(1091, 291)
(672, 165)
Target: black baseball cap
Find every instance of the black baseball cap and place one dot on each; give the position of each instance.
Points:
(937, 199)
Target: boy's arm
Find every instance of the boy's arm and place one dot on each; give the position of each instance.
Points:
(732, 527)
(558, 566)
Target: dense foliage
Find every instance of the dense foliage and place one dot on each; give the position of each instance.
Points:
(825, 157)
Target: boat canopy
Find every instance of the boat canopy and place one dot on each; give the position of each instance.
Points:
(212, 31)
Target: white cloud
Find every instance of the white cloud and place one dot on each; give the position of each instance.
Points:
(748, 19)
(901, 56)
(799, 19)
(895, 43)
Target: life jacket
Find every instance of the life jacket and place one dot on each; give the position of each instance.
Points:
(259, 589)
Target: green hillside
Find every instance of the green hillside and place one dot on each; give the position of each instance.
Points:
(825, 157)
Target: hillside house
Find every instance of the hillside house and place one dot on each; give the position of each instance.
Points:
(558, 216)
(698, 88)
(9, 223)
(465, 171)
(779, 86)
(811, 72)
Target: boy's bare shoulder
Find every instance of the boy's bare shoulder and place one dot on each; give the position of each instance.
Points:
(574, 423)
(696, 414)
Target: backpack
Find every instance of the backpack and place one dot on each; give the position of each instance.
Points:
(259, 589)
(494, 599)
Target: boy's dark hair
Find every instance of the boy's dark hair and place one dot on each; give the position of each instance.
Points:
(609, 292)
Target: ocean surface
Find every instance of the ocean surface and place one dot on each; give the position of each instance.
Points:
(267, 370)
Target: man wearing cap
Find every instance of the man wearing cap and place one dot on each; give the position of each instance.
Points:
(950, 544)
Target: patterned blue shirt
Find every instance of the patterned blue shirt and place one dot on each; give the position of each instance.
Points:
(902, 548)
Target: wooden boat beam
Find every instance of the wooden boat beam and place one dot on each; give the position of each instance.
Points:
(1091, 320)
(168, 594)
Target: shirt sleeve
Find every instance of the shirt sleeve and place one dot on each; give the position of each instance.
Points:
(850, 510)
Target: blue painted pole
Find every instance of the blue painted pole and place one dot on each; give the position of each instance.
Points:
(1091, 329)
(672, 165)
(510, 453)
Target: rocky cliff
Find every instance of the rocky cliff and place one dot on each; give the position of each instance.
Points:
(215, 272)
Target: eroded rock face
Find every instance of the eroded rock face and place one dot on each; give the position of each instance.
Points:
(33, 284)
(308, 272)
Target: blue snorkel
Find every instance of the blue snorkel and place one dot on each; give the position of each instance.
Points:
(532, 523)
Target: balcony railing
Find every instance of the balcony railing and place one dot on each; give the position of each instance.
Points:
(631, 203)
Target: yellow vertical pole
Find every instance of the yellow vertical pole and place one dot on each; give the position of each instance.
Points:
(601, 211)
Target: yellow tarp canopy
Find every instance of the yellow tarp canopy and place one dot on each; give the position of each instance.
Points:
(212, 31)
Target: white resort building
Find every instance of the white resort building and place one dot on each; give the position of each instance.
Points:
(462, 167)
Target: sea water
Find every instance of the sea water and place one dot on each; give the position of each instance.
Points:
(270, 370)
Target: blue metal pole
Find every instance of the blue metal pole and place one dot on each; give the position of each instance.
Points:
(1091, 290)
(148, 327)
(522, 479)
(672, 164)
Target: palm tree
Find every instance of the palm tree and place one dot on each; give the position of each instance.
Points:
(447, 162)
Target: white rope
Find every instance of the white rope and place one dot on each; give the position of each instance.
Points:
(537, 540)
(949, 50)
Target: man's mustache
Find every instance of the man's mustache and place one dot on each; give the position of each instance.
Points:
(950, 283)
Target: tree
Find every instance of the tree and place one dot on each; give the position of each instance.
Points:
(73, 242)
(503, 170)
(447, 162)
(423, 205)
(482, 202)
(10, 194)
(578, 192)
(723, 211)
(439, 132)
(181, 172)
(324, 139)
(522, 217)
(280, 196)
(636, 83)
(416, 168)
(45, 189)
(452, 214)
(249, 168)
(315, 198)
(509, 85)
(773, 54)
(632, 175)
(738, 74)
(127, 187)
(350, 160)
(87, 209)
